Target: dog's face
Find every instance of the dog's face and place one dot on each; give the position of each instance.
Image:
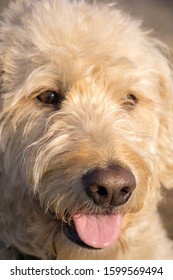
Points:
(82, 123)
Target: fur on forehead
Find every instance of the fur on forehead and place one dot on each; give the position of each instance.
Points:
(70, 35)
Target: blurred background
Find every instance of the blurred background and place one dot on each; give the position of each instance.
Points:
(156, 15)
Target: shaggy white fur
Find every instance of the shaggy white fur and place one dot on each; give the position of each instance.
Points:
(82, 89)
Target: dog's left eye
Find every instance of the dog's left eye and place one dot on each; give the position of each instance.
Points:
(51, 98)
(130, 100)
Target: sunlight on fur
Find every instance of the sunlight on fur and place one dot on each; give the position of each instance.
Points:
(86, 133)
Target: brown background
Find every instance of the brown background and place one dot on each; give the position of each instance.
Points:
(156, 15)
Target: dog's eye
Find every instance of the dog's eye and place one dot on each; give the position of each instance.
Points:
(51, 98)
(129, 101)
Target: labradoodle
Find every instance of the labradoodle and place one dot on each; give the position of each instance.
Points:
(86, 133)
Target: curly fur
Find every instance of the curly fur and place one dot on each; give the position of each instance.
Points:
(95, 55)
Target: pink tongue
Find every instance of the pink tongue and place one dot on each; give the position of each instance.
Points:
(96, 230)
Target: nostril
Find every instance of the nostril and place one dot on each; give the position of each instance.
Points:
(125, 191)
(124, 194)
(102, 191)
(98, 193)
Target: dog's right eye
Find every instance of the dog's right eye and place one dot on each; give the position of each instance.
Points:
(51, 98)
(130, 101)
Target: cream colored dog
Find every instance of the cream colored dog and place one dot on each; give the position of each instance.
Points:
(86, 133)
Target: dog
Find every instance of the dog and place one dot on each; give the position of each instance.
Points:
(86, 131)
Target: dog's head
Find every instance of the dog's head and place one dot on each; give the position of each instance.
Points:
(85, 122)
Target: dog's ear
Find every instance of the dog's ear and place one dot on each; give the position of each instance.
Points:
(165, 136)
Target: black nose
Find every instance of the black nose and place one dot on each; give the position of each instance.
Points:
(112, 186)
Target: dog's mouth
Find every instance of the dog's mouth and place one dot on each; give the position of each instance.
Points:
(94, 231)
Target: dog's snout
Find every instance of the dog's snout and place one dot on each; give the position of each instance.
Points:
(112, 186)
